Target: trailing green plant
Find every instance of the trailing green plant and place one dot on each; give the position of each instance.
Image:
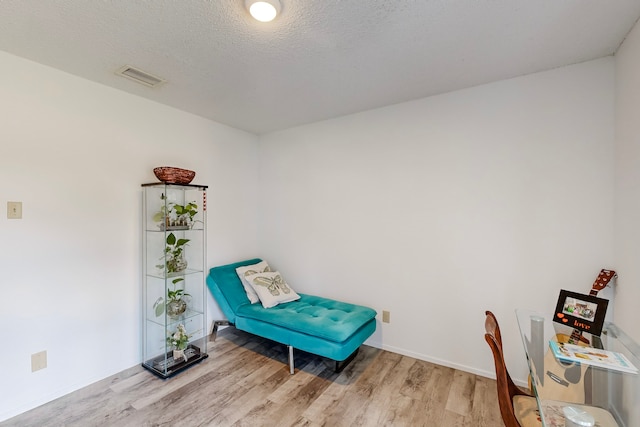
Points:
(176, 215)
(190, 210)
(176, 294)
(163, 212)
(173, 254)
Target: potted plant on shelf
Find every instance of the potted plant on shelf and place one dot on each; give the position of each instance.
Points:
(174, 255)
(176, 305)
(186, 213)
(175, 302)
(173, 216)
(179, 340)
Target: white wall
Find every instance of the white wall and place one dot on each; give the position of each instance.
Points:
(75, 153)
(494, 197)
(627, 183)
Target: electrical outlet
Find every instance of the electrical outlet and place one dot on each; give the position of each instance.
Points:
(386, 316)
(38, 361)
(14, 210)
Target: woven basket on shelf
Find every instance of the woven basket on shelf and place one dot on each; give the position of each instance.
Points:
(172, 175)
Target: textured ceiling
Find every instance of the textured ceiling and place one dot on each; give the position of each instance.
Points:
(319, 59)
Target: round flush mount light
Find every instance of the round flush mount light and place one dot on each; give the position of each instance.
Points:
(263, 10)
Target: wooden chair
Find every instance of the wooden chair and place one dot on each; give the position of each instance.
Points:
(517, 407)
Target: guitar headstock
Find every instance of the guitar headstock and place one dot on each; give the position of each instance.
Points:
(603, 280)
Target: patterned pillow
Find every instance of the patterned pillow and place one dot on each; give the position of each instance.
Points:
(272, 289)
(248, 270)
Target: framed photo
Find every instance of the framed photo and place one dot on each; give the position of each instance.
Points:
(579, 311)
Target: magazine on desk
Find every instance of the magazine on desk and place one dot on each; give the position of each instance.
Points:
(592, 356)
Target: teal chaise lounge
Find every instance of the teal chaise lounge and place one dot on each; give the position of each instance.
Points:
(317, 325)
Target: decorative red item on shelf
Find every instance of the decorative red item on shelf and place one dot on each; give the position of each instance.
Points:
(171, 175)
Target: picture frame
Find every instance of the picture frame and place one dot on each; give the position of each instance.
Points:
(580, 311)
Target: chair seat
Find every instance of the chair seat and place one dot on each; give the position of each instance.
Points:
(602, 416)
(526, 410)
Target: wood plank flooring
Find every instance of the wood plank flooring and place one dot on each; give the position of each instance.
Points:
(246, 382)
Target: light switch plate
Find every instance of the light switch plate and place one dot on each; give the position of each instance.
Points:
(14, 210)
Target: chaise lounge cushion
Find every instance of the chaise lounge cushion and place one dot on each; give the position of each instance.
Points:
(320, 317)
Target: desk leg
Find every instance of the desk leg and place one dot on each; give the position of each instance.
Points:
(537, 346)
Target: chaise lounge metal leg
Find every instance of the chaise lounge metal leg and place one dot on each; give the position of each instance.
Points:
(214, 328)
(291, 364)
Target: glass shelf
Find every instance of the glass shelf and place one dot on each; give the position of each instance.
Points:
(172, 322)
(186, 272)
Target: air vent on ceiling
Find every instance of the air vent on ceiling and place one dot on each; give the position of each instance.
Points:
(139, 76)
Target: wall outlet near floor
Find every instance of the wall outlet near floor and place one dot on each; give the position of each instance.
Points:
(38, 361)
(386, 316)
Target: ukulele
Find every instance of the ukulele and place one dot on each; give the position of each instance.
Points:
(565, 381)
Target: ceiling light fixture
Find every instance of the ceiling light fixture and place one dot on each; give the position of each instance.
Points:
(263, 10)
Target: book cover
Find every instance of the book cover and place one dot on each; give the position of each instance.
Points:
(592, 356)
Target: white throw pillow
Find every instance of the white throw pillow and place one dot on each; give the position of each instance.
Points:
(248, 270)
(272, 289)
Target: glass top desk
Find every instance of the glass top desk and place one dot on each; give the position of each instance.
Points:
(556, 384)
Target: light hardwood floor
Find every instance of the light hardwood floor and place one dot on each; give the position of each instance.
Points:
(246, 382)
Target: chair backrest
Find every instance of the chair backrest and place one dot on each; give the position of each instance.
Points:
(491, 324)
(227, 289)
(506, 388)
